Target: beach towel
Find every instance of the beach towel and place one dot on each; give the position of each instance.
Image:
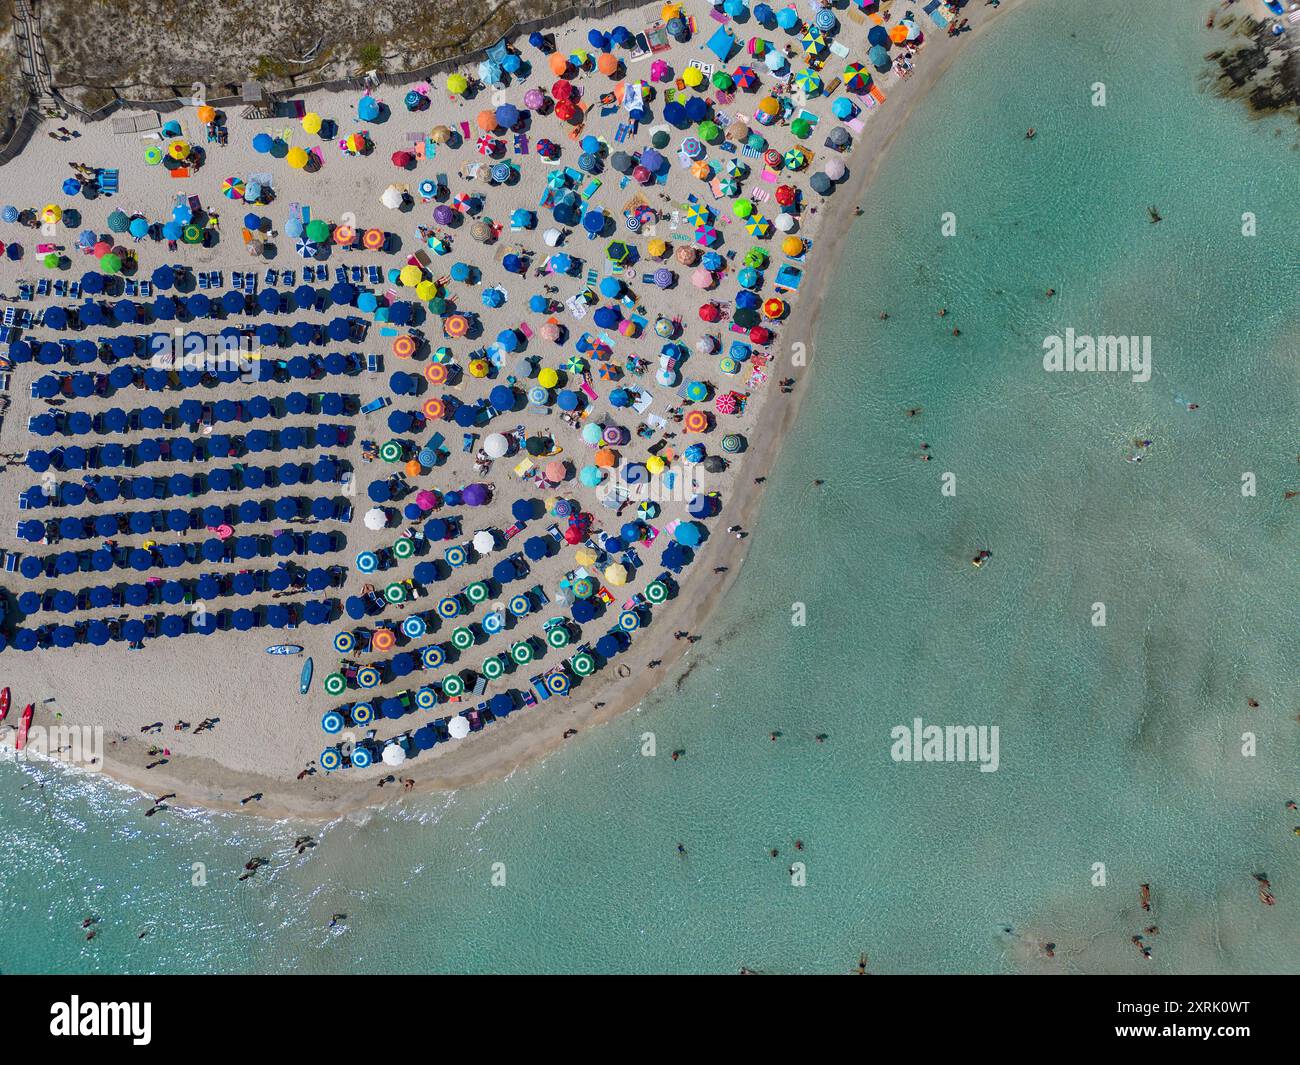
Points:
(876, 94)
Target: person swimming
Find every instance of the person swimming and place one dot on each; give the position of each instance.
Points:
(981, 558)
(1145, 896)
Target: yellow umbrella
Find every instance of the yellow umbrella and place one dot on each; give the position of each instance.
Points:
(792, 245)
(670, 11)
(178, 149)
(441, 134)
(692, 76)
(548, 378)
(456, 84)
(296, 157)
(655, 465)
(207, 114)
(478, 368)
(426, 290)
(311, 122)
(657, 247)
(411, 275)
(51, 214)
(585, 556)
(616, 574)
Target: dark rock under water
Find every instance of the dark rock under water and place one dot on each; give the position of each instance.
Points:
(1257, 67)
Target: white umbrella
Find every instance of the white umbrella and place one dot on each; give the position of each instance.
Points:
(458, 727)
(484, 542)
(834, 169)
(392, 197)
(496, 445)
(784, 222)
(667, 378)
(552, 237)
(375, 518)
(394, 754)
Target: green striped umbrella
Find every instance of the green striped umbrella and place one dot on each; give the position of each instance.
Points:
(462, 639)
(367, 677)
(404, 548)
(335, 684)
(395, 592)
(452, 686)
(476, 592)
(522, 652)
(492, 667)
(344, 642)
(558, 636)
(582, 664)
(426, 699)
(656, 591)
(391, 451)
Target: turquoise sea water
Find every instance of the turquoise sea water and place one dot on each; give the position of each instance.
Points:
(1119, 745)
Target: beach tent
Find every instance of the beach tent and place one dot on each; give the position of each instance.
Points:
(722, 44)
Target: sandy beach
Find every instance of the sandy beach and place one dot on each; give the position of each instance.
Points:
(267, 733)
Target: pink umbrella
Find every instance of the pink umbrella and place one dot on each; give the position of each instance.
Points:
(555, 471)
(426, 500)
(725, 403)
(533, 99)
(701, 278)
(550, 331)
(658, 70)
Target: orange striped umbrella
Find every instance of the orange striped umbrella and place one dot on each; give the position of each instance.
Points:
(404, 347)
(344, 235)
(383, 640)
(456, 326)
(435, 373)
(433, 409)
(697, 421)
(373, 239)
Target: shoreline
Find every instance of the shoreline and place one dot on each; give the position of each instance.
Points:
(528, 737)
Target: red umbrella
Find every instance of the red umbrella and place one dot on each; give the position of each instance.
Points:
(710, 312)
(759, 335)
(562, 90)
(725, 403)
(565, 111)
(785, 195)
(573, 535)
(403, 159)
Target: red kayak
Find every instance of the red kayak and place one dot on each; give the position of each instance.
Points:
(4, 704)
(22, 727)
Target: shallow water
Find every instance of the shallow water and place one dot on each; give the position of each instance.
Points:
(1118, 744)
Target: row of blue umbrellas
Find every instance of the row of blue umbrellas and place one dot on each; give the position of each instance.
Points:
(100, 632)
(205, 588)
(172, 556)
(286, 508)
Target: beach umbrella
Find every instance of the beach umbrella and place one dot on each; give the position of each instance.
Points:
(856, 78)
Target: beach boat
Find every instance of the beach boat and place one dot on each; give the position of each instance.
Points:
(285, 649)
(305, 679)
(23, 726)
(4, 704)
